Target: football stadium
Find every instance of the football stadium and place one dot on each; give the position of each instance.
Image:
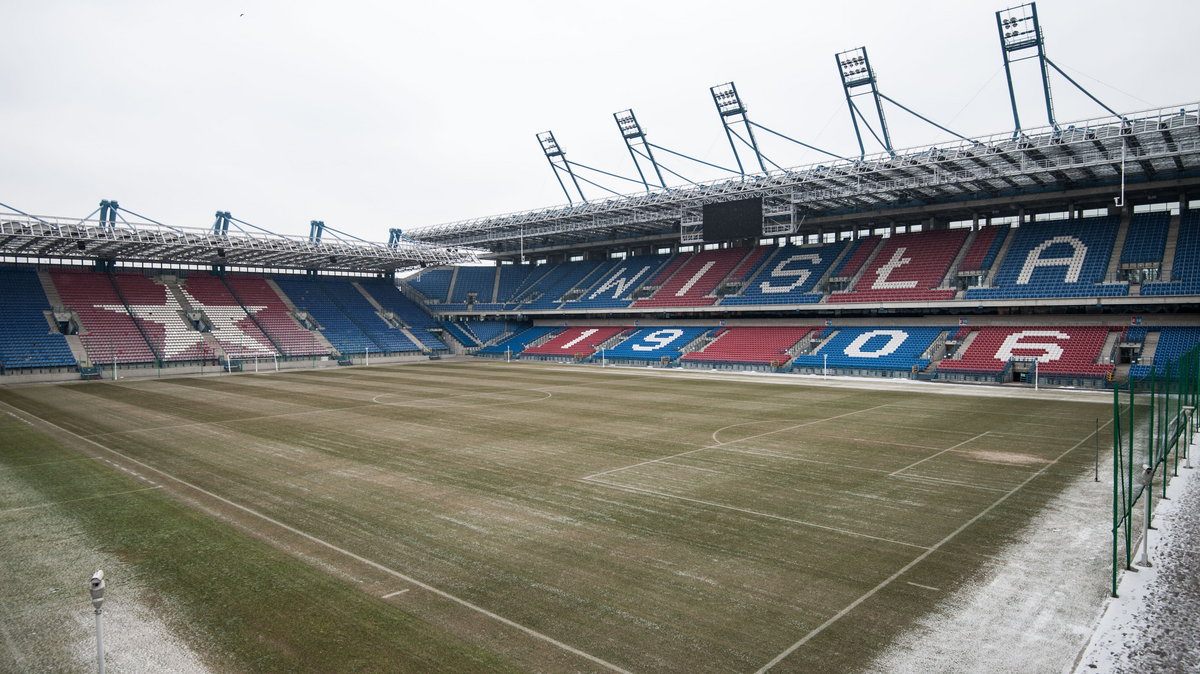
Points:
(897, 410)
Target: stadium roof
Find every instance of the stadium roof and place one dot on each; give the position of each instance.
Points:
(32, 237)
(1151, 146)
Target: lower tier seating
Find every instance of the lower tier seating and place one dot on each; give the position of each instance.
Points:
(575, 340)
(753, 345)
(1058, 350)
(881, 348)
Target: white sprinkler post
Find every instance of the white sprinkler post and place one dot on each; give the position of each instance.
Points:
(1147, 485)
(1191, 418)
(96, 587)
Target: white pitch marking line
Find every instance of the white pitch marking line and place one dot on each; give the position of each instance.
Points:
(639, 490)
(73, 500)
(359, 558)
(941, 481)
(923, 587)
(904, 569)
(933, 456)
(721, 444)
(393, 594)
(546, 395)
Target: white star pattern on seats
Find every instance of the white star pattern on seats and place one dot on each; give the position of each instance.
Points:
(179, 336)
(224, 323)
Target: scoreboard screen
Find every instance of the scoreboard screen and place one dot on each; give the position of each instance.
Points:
(740, 219)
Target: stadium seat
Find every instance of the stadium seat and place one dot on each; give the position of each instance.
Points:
(750, 345)
(1060, 350)
(26, 340)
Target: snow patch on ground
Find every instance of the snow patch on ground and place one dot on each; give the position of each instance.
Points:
(1030, 609)
(1153, 625)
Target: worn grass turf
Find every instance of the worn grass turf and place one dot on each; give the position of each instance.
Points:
(569, 518)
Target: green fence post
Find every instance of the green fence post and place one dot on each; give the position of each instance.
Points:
(1129, 487)
(1116, 531)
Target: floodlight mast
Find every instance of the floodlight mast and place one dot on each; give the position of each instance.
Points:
(1020, 32)
(854, 67)
(635, 142)
(558, 162)
(733, 112)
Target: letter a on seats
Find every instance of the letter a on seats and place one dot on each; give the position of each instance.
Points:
(1073, 262)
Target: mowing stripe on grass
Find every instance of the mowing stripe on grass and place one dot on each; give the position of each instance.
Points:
(722, 444)
(757, 513)
(73, 500)
(936, 546)
(363, 560)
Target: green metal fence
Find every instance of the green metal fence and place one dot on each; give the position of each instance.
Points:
(1168, 402)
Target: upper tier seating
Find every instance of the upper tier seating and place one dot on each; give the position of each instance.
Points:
(789, 276)
(1066, 258)
(1146, 238)
(274, 317)
(574, 340)
(693, 282)
(549, 290)
(1185, 273)
(26, 339)
(480, 281)
(434, 283)
(753, 345)
(1058, 350)
(898, 348)
(613, 288)
(107, 331)
(751, 263)
(856, 257)
(908, 268)
(653, 344)
(982, 253)
(236, 332)
(511, 278)
(414, 316)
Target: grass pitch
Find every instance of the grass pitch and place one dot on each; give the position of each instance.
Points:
(483, 516)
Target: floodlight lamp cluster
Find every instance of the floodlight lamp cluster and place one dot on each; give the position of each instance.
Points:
(854, 66)
(1017, 28)
(628, 124)
(549, 145)
(728, 101)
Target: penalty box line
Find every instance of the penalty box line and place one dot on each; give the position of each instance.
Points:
(920, 558)
(373, 564)
(722, 444)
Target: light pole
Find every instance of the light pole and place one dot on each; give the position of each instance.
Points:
(825, 367)
(96, 587)
(368, 348)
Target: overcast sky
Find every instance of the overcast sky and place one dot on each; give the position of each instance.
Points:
(370, 115)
